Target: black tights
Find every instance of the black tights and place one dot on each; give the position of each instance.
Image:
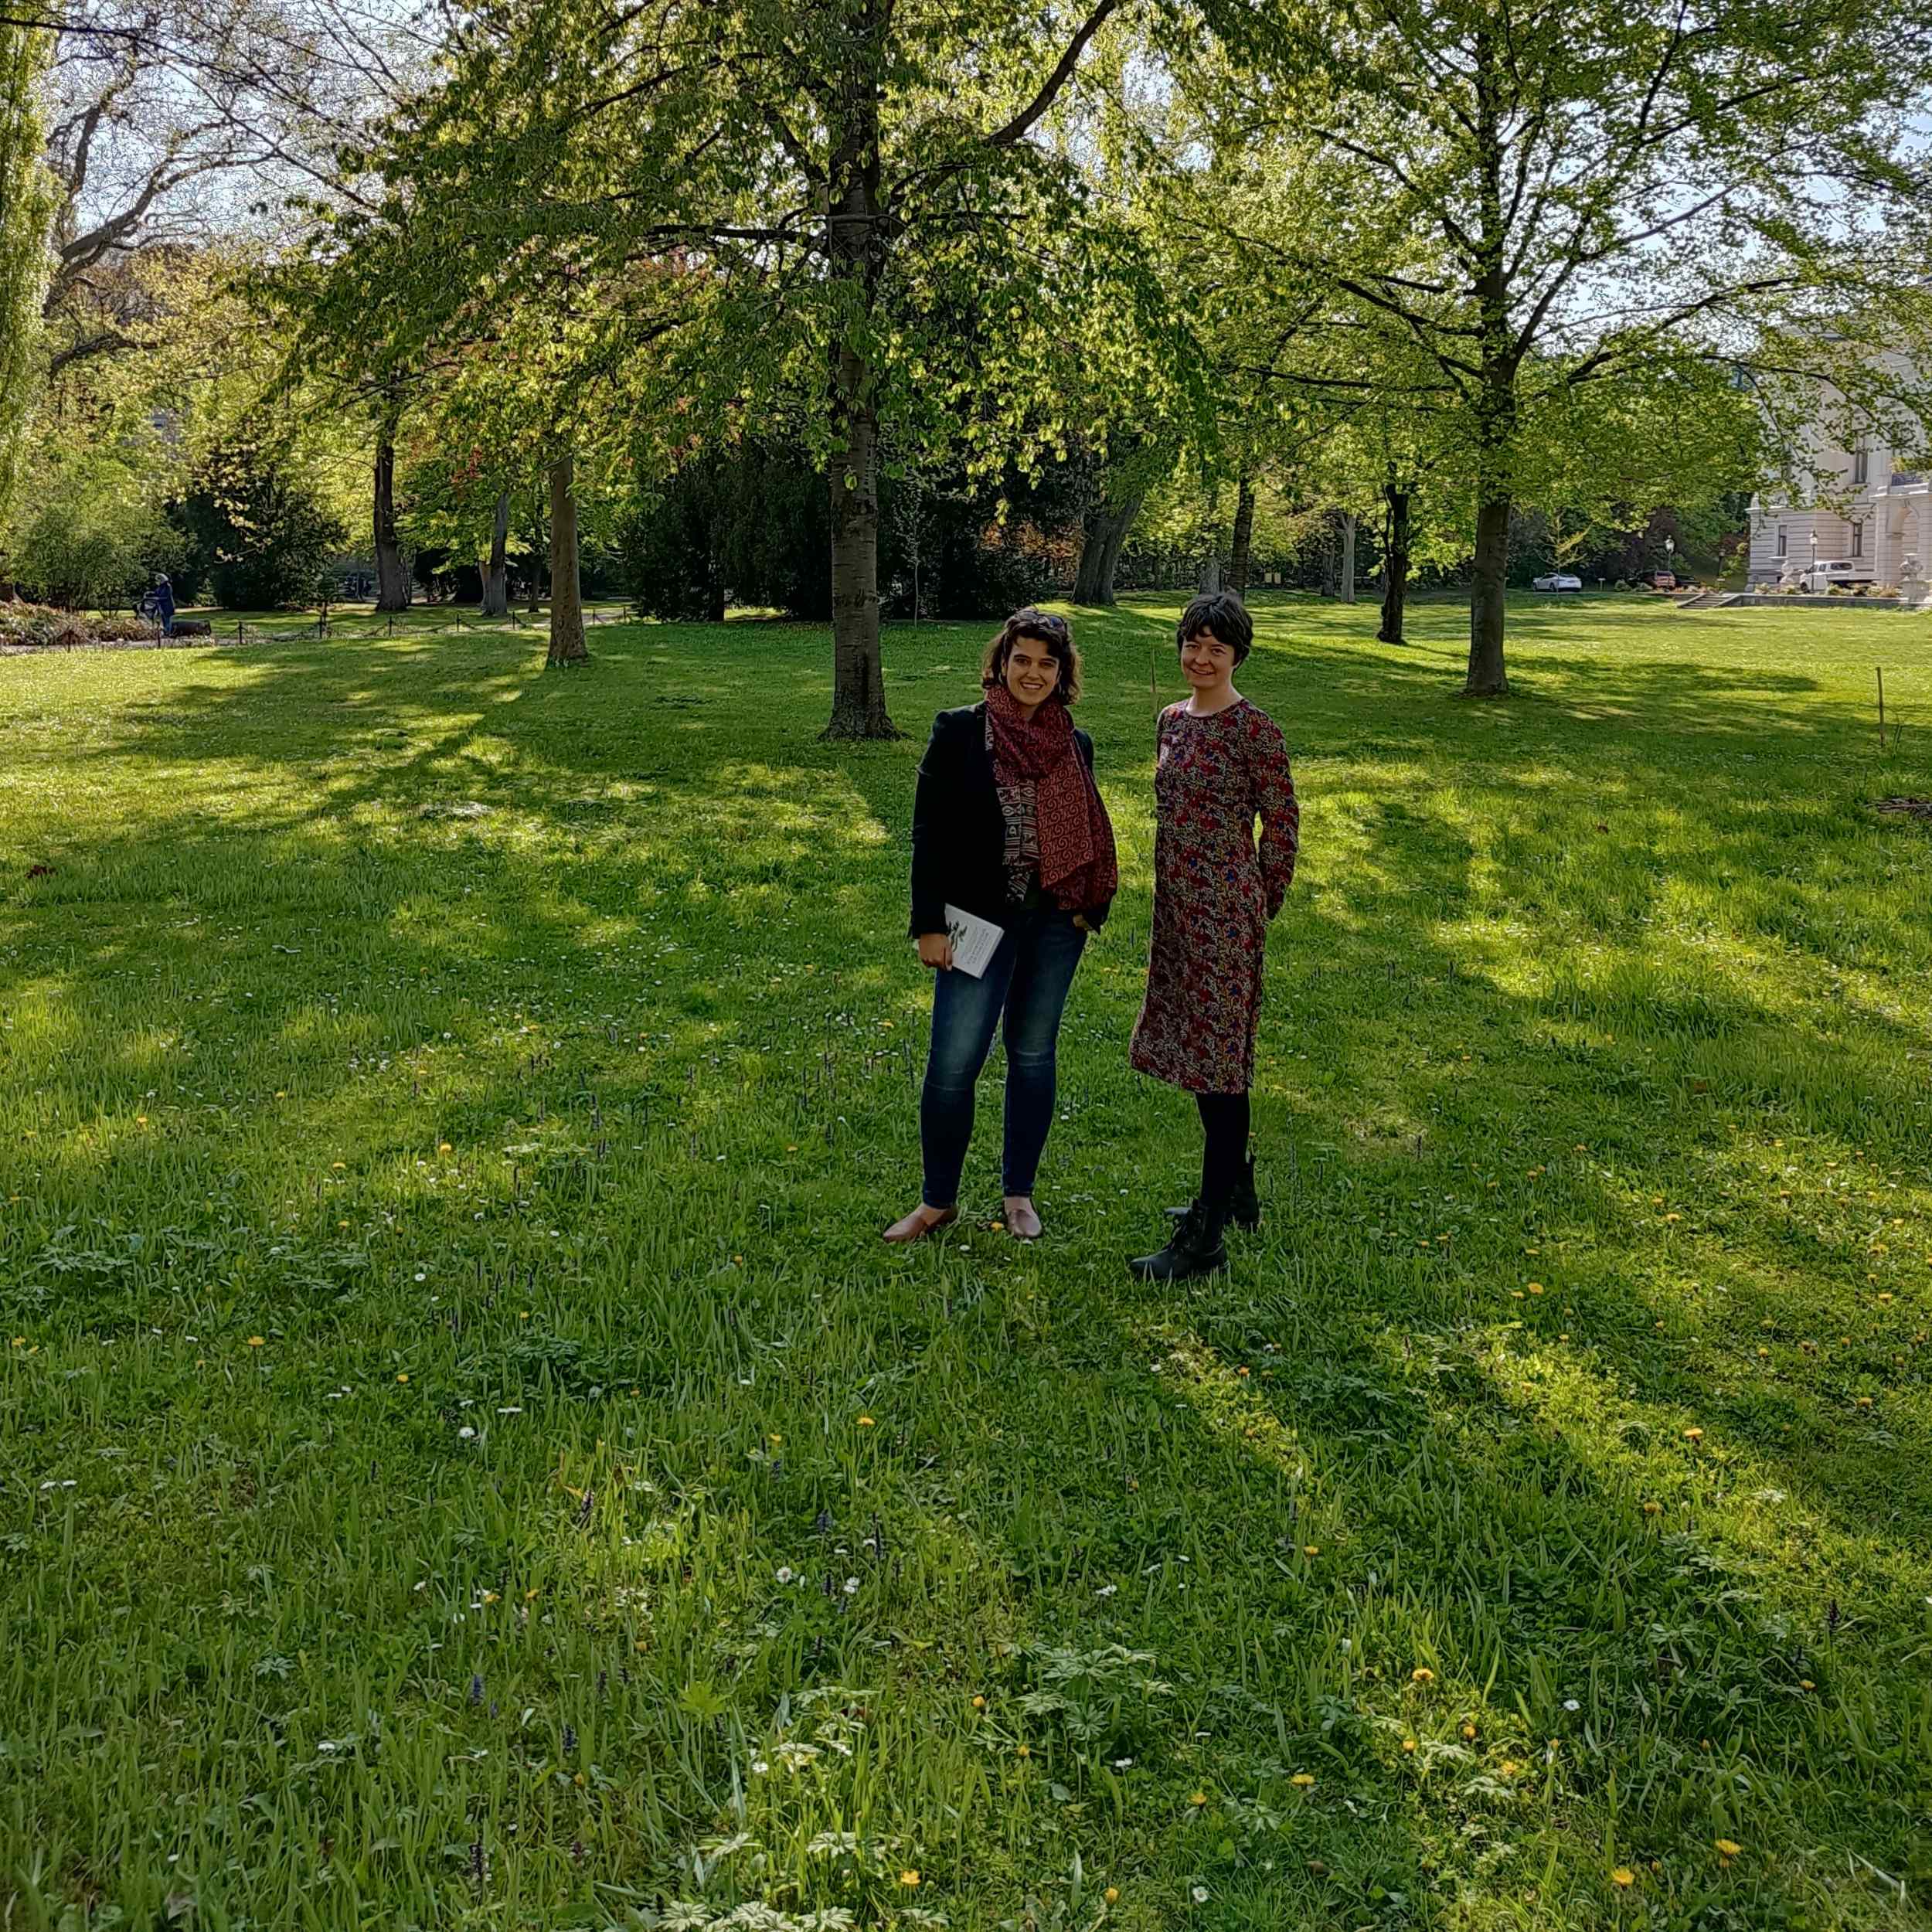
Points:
(1224, 1146)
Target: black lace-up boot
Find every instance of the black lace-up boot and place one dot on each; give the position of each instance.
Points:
(1195, 1248)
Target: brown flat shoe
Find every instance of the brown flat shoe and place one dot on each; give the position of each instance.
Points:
(920, 1223)
(1021, 1219)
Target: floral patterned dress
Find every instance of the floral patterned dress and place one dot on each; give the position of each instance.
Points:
(1214, 893)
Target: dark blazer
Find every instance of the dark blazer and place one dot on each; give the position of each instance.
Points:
(959, 833)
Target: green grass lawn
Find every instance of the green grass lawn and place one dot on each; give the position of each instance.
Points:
(470, 1462)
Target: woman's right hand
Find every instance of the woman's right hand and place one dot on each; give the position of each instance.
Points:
(936, 950)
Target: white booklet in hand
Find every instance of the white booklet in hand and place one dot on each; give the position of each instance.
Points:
(975, 941)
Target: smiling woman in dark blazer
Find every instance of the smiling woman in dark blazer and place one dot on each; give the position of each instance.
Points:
(1008, 824)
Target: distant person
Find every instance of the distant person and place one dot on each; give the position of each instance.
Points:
(1013, 865)
(162, 599)
(1220, 766)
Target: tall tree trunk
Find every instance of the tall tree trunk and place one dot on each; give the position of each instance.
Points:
(1496, 397)
(496, 572)
(1107, 528)
(1395, 561)
(1348, 557)
(1113, 542)
(567, 602)
(539, 548)
(1242, 545)
(391, 579)
(1487, 592)
(855, 246)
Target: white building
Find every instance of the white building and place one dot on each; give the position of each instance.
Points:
(1863, 508)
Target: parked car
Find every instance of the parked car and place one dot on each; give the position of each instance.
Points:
(1556, 581)
(1825, 577)
(1657, 580)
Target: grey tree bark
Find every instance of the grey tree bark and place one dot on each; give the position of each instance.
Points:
(1242, 545)
(391, 577)
(1107, 527)
(566, 598)
(496, 572)
(854, 246)
(1347, 586)
(1496, 419)
(1395, 561)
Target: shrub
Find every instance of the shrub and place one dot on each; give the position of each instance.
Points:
(77, 551)
(261, 536)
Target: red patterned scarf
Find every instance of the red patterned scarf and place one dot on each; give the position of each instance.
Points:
(1077, 866)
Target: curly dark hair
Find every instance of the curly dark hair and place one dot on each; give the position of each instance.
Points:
(1220, 615)
(1042, 627)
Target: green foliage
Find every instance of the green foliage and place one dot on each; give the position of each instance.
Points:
(1526, 246)
(85, 547)
(260, 534)
(753, 523)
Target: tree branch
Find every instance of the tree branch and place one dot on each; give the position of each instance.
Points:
(1022, 122)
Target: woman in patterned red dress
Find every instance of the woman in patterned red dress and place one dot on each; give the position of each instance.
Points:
(1221, 765)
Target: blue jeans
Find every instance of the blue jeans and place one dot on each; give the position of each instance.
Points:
(1027, 982)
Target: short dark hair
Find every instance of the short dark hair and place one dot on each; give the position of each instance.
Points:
(1042, 627)
(1221, 615)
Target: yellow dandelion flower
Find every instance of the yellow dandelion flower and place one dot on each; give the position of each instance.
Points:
(1199, 1798)
(1468, 1731)
(1623, 1877)
(444, 1147)
(1022, 1750)
(1311, 1549)
(255, 1342)
(1408, 1743)
(1422, 1674)
(402, 1378)
(1510, 1767)
(1653, 1509)
(979, 1703)
(1693, 1435)
(908, 1877)
(1304, 1779)
(865, 1422)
